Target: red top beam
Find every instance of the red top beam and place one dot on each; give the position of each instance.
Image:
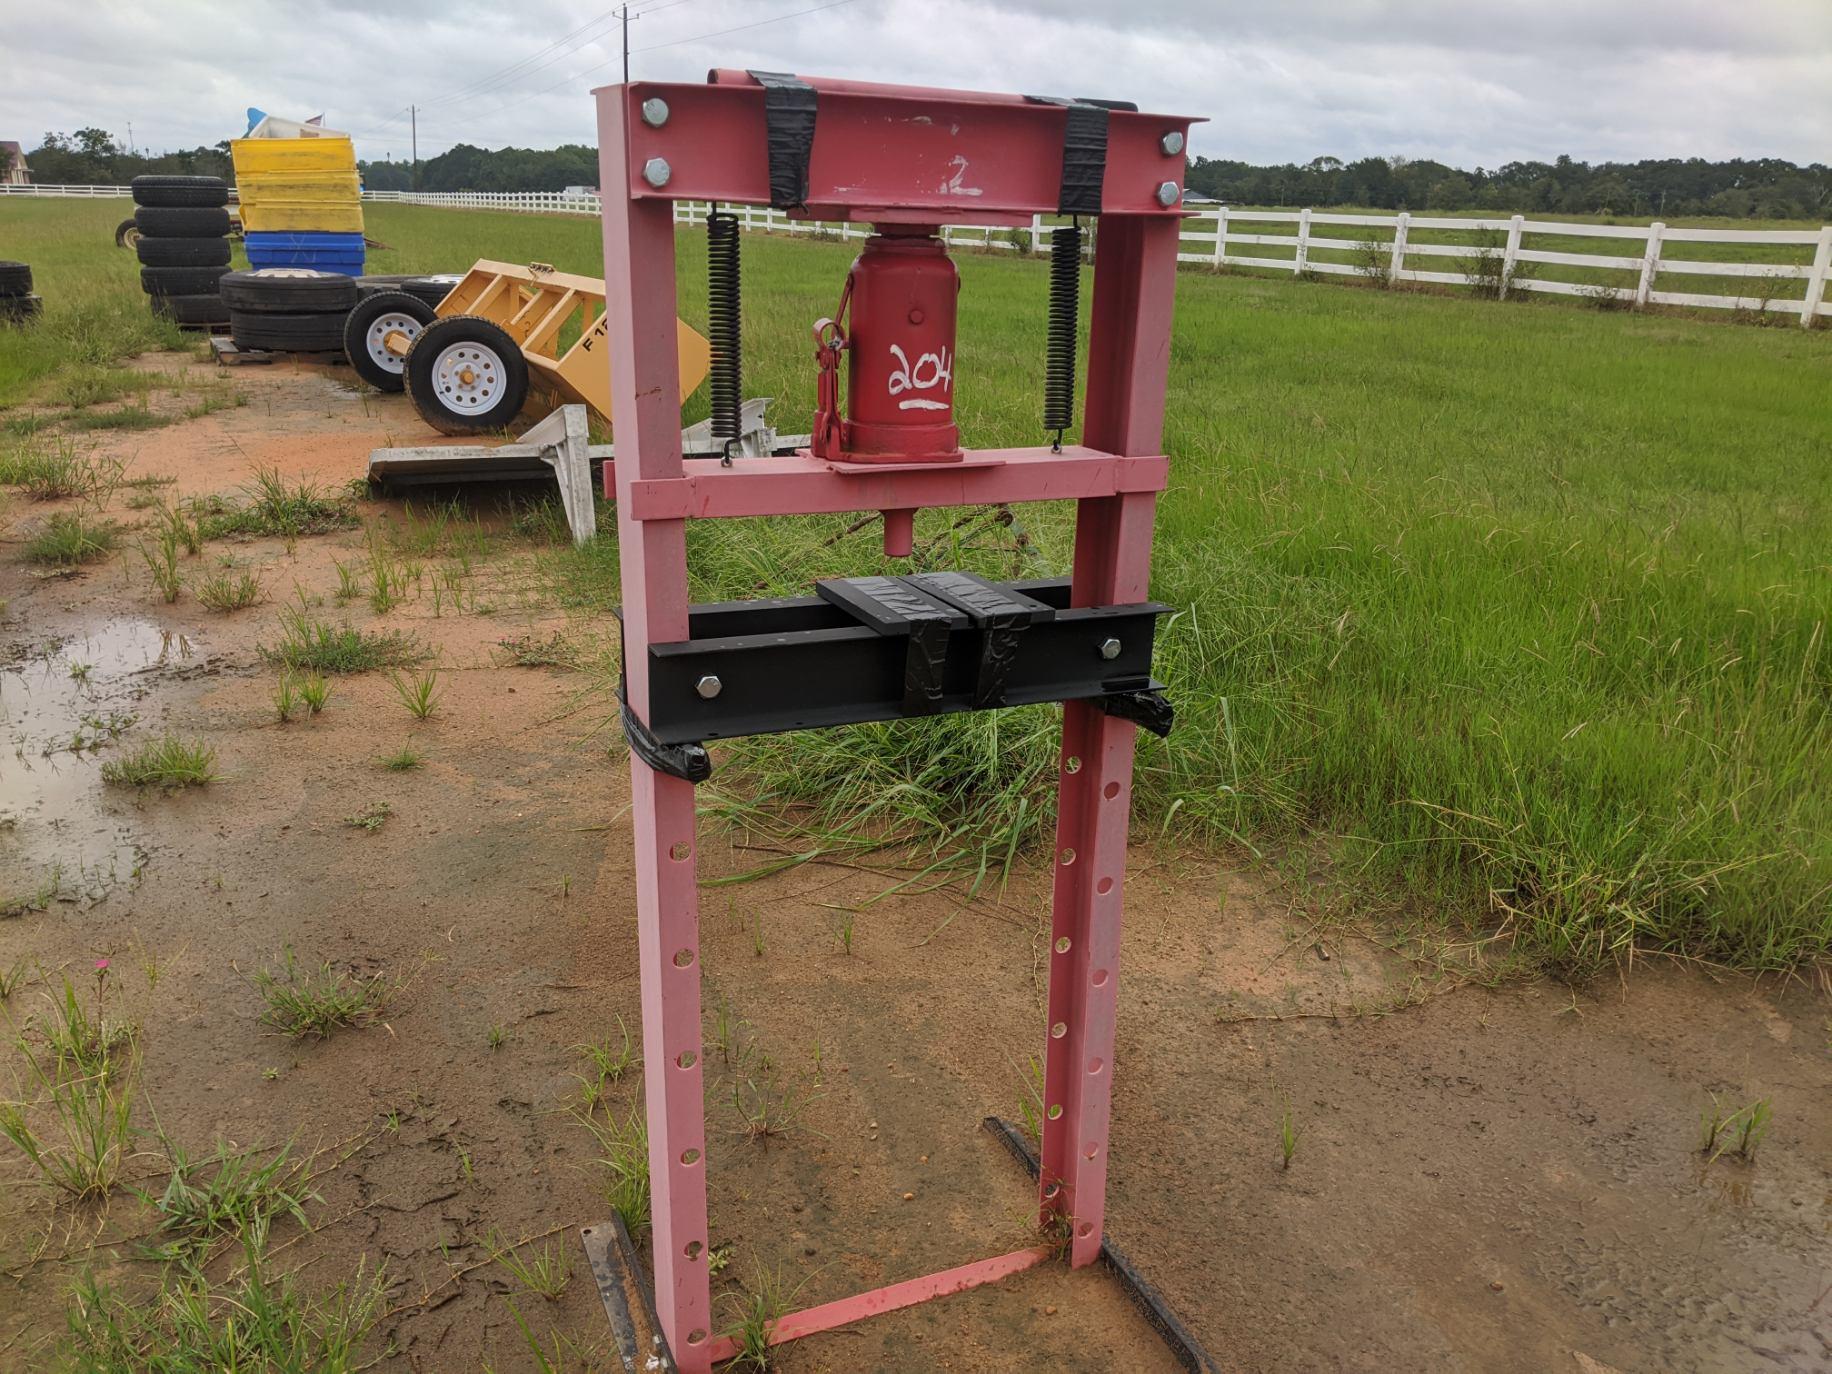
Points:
(889, 152)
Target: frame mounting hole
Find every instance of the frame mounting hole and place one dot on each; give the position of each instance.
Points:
(1066, 858)
(1096, 1064)
(1104, 886)
(682, 958)
(693, 1249)
(687, 1059)
(697, 1336)
(1059, 1030)
(1100, 978)
(1055, 1111)
(681, 852)
(1084, 1229)
(1071, 764)
(690, 1156)
(1110, 791)
(1092, 1150)
(1064, 945)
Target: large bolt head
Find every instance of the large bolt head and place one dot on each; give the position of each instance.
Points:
(1169, 193)
(655, 112)
(1171, 143)
(1110, 649)
(709, 687)
(656, 172)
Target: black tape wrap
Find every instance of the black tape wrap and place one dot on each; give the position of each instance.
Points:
(1084, 151)
(688, 761)
(1150, 710)
(788, 120)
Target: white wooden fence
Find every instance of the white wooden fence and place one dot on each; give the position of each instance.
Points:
(1382, 246)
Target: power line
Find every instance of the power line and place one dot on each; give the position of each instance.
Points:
(737, 28)
(676, 42)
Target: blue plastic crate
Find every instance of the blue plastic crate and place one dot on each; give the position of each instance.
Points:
(304, 248)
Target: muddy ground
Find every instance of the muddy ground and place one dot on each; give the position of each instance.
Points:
(1501, 1179)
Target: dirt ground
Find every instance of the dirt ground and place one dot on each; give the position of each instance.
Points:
(1487, 1180)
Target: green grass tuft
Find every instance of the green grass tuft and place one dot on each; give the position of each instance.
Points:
(165, 762)
(69, 540)
(317, 645)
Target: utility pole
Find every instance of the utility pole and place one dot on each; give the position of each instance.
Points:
(413, 175)
(625, 12)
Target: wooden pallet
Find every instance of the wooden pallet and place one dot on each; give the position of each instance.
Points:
(225, 351)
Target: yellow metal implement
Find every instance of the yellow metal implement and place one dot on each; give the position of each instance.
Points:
(559, 321)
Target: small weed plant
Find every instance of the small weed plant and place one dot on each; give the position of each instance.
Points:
(312, 1003)
(169, 762)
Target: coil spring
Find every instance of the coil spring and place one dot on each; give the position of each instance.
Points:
(1065, 304)
(726, 376)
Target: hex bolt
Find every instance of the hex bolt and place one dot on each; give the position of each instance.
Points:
(1110, 648)
(1168, 192)
(656, 172)
(709, 687)
(1171, 143)
(655, 112)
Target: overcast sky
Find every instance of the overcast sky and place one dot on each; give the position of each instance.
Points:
(1466, 81)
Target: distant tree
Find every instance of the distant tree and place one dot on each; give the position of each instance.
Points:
(1453, 192)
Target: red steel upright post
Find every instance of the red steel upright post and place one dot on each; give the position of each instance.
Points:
(645, 390)
(1129, 356)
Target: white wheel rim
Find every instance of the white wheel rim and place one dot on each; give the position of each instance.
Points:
(376, 340)
(469, 378)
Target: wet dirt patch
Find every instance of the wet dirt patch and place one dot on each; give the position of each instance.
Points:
(66, 705)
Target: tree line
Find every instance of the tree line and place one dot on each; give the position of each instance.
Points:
(1740, 188)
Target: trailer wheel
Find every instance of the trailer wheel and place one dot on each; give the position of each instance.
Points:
(466, 375)
(127, 233)
(378, 320)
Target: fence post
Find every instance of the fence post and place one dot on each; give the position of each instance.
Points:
(1508, 256)
(1650, 264)
(1221, 235)
(1397, 265)
(1816, 284)
(1297, 261)
(1037, 232)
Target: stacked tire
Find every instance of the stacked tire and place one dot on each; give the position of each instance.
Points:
(288, 309)
(182, 225)
(430, 289)
(18, 306)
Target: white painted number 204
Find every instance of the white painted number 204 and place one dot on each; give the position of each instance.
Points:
(932, 371)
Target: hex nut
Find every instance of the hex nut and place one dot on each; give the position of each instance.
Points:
(656, 172)
(1171, 143)
(655, 112)
(709, 687)
(1110, 649)
(1169, 193)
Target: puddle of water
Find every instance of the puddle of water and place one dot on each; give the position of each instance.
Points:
(63, 713)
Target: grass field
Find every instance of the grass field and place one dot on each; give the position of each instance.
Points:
(1514, 614)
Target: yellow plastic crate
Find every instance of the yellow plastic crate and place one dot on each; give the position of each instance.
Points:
(283, 214)
(291, 156)
(331, 188)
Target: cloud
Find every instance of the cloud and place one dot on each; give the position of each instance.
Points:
(1469, 82)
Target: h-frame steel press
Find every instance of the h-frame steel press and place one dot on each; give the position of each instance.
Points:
(906, 160)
